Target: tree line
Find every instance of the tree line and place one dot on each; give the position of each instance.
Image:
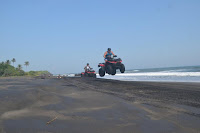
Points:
(26, 63)
(6, 69)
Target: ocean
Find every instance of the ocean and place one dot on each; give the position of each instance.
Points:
(168, 74)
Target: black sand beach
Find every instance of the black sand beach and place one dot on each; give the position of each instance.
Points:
(88, 105)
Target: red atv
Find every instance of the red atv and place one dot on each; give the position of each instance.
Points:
(111, 66)
(89, 73)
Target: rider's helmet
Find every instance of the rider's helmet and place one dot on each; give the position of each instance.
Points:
(109, 49)
(87, 63)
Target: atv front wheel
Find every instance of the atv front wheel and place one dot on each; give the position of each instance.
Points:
(101, 72)
(122, 68)
(109, 69)
(86, 75)
(94, 76)
(114, 71)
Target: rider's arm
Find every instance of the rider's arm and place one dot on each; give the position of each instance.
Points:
(113, 53)
(105, 54)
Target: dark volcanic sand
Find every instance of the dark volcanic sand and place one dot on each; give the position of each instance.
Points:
(90, 105)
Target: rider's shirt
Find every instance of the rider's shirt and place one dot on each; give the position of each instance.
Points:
(106, 54)
(88, 68)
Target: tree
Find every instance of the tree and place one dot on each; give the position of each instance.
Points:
(13, 60)
(7, 70)
(8, 62)
(2, 63)
(19, 67)
(26, 63)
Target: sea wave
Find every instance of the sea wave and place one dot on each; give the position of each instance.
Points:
(156, 76)
(161, 74)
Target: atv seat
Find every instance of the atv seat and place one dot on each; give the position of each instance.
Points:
(117, 59)
(114, 59)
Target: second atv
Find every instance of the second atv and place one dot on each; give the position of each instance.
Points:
(110, 66)
(89, 73)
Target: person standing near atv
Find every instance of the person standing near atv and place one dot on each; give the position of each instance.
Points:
(87, 67)
(108, 54)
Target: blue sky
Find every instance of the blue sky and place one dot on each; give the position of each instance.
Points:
(61, 36)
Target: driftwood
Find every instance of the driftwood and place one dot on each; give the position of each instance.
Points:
(49, 122)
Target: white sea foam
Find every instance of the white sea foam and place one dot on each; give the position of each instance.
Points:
(157, 76)
(178, 70)
(161, 74)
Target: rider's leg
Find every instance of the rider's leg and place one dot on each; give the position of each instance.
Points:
(106, 60)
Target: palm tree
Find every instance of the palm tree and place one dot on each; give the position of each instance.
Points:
(2, 63)
(19, 67)
(13, 60)
(8, 62)
(26, 63)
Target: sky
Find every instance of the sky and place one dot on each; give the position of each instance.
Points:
(61, 36)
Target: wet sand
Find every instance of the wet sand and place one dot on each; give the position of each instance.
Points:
(90, 105)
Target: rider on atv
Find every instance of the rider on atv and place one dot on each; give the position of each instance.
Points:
(108, 54)
(111, 64)
(87, 67)
(89, 72)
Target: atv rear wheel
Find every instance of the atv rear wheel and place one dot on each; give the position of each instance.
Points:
(122, 68)
(102, 72)
(94, 76)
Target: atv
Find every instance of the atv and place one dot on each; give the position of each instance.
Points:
(89, 73)
(59, 76)
(110, 66)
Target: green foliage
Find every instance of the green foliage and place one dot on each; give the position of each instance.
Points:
(13, 60)
(26, 63)
(8, 62)
(19, 67)
(8, 70)
(38, 73)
